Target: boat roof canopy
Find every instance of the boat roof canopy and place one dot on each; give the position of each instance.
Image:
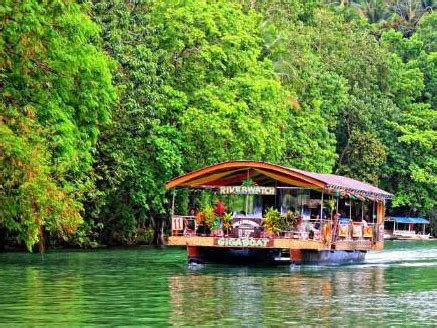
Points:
(408, 219)
(268, 174)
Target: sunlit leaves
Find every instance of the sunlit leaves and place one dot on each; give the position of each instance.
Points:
(56, 90)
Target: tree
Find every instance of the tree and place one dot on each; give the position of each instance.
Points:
(141, 149)
(55, 94)
(194, 92)
(336, 71)
(412, 138)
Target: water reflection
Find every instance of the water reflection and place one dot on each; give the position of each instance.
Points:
(311, 296)
(150, 287)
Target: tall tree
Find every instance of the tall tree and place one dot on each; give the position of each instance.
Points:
(55, 94)
(195, 91)
(336, 72)
(411, 136)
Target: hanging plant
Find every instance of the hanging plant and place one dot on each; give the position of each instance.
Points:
(248, 182)
(329, 204)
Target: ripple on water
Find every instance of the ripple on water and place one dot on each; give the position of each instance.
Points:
(150, 287)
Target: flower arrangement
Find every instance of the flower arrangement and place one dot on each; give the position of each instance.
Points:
(211, 218)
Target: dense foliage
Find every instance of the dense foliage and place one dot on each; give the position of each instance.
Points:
(346, 87)
(55, 92)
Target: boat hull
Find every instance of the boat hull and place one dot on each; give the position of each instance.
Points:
(276, 256)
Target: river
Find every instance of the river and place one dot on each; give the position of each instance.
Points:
(148, 286)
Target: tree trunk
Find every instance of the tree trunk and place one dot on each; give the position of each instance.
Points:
(158, 231)
(42, 240)
(2, 239)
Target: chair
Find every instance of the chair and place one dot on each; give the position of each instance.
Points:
(190, 227)
(177, 226)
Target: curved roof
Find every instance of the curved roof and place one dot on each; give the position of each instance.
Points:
(233, 172)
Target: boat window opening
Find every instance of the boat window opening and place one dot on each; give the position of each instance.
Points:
(356, 210)
(244, 205)
(303, 202)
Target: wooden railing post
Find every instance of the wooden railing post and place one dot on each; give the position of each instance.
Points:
(380, 212)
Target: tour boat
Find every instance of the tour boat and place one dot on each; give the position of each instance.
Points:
(258, 212)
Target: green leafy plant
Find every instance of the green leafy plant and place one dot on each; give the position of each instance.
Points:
(227, 221)
(272, 221)
(287, 221)
(248, 182)
(209, 216)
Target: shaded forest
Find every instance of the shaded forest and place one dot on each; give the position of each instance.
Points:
(101, 102)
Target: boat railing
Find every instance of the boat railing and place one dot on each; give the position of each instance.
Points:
(315, 229)
(404, 232)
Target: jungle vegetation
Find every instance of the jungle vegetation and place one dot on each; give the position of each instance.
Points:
(101, 102)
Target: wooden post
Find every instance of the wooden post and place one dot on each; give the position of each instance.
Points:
(172, 202)
(321, 208)
(172, 209)
(380, 211)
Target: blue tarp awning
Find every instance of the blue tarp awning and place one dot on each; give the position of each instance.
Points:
(408, 219)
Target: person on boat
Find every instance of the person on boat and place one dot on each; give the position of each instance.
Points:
(300, 226)
(335, 224)
(317, 223)
(314, 229)
(350, 229)
(306, 213)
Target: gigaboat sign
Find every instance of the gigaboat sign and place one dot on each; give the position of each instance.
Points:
(243, 242)
(251, 190)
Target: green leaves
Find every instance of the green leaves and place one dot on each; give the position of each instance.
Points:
(294, 82)
(56, 92)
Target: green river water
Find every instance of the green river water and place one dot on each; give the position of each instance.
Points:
(155, 287)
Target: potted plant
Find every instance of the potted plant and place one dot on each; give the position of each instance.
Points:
(272, 221)
(220, 208)
(200, 218)
(287, 223)
(210, 218)
(200, 222)
(227, 222)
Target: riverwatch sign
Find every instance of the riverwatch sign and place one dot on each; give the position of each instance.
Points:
(251, 190)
